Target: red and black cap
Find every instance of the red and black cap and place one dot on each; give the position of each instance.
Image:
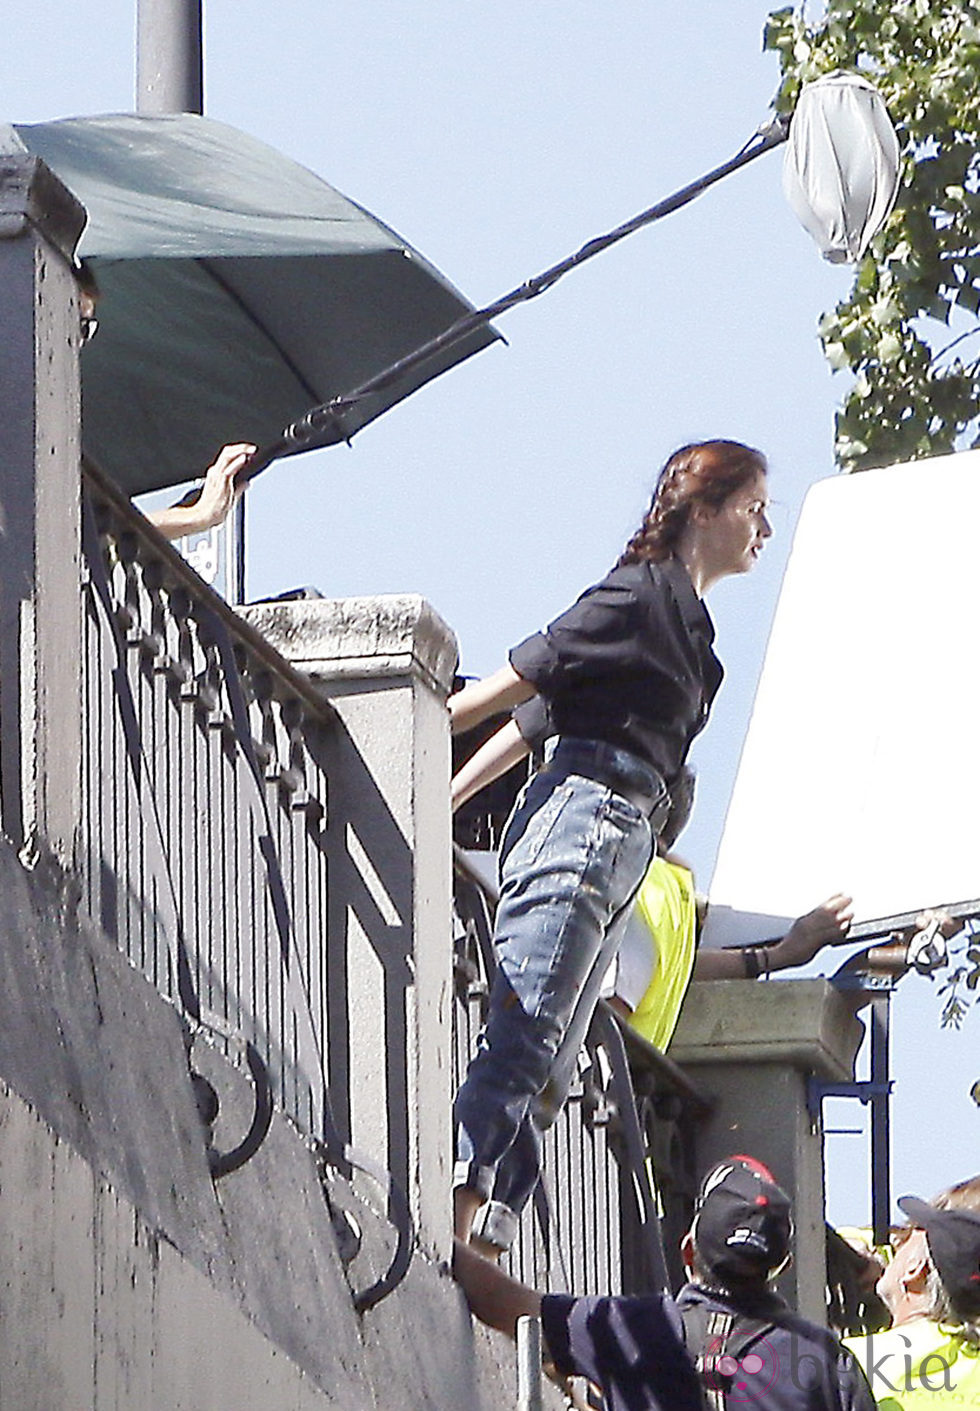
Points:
(953, 1237)
(743, 1224)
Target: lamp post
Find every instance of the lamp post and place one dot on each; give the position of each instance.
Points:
(169, 57)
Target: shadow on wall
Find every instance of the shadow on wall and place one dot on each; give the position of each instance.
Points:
(370, 910)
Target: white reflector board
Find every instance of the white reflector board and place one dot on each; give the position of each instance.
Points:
(860, 770)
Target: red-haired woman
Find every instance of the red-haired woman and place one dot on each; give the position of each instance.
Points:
(629, 676)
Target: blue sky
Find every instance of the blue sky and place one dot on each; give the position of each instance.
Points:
(497, 138)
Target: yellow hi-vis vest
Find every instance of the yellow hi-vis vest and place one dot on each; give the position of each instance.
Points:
(666, 904)
(919, 1366)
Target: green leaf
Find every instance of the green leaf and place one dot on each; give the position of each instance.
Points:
(836, 355)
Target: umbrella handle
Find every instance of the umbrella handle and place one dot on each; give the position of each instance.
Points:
(255, 463)
(290, 443)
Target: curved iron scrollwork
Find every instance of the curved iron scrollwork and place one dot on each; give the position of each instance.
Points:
(222, 1163)
(208, 671)
(346, 1159)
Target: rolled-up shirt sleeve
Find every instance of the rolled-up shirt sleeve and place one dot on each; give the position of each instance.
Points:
(591, 639)
(533, 721)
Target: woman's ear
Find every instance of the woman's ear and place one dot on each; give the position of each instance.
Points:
(700, 513)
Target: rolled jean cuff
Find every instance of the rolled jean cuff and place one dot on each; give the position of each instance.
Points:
(468, 1176)
(497, 1224)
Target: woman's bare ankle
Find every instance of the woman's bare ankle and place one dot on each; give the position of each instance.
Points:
(466, 1203)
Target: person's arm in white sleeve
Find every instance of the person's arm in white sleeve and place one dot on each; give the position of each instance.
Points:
(494, 694)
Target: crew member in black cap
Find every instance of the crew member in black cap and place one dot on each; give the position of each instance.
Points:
(750, 1348)
(727, 1341)
(930, 1357)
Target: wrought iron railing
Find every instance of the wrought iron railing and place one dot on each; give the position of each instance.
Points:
(621, 1151)
(202, 847)
(203, 852)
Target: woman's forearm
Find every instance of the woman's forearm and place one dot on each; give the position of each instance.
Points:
(499, 692)
(494, 757)
(178, 521)
(203, 509)
(719, 965)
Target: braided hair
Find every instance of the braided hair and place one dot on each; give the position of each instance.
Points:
(706, 473)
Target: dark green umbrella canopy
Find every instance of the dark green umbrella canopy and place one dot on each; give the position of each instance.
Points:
(238, 290)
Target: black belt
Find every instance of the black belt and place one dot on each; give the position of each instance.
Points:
(656, 809)
(653, 805)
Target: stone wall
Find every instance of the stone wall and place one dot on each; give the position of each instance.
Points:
(129, 1277)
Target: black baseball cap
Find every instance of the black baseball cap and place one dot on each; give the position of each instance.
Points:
(743, 1223)
(953, 1237)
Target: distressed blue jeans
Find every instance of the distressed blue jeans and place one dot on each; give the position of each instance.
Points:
(572, 857)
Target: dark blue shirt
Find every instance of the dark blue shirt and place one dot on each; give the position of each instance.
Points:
(795, 1365)
(634, 1351)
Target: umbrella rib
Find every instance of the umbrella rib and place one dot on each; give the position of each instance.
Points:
(233, 294)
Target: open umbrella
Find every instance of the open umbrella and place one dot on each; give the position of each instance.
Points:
(238, 289)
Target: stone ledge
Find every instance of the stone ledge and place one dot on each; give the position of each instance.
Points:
(338, 639)
(31, 196)
(806, 1024)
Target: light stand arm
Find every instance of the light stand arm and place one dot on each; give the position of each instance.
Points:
(324, 425)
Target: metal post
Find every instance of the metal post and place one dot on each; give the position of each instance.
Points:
(235, 549)
(529, 1365)
(880, 1123)
(169, 57)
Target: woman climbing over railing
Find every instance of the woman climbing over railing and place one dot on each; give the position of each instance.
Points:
(629, 676)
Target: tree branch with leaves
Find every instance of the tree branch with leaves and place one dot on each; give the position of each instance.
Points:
(909, 330)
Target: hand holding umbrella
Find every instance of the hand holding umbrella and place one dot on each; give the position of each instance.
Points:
(209, 504)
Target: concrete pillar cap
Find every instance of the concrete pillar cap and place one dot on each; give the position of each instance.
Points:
(390, 635)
